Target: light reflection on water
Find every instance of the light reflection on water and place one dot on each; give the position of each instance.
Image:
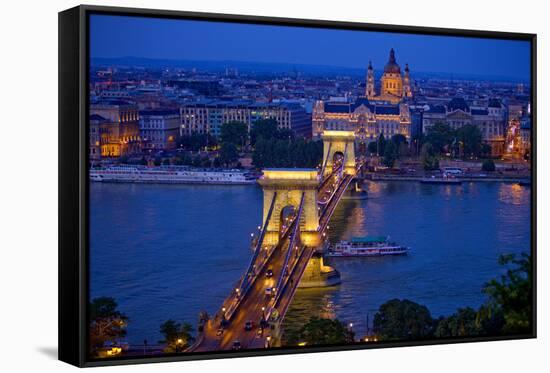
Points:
(456, 233)
(169, 251)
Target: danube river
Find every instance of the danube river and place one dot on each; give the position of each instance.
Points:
(170, 251)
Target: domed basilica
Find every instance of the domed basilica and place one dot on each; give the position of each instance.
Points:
(383, 113)
(393, 86)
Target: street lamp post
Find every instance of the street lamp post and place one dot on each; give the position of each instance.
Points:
(179, 345)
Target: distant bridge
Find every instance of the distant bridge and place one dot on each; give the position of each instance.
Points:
(298, 204)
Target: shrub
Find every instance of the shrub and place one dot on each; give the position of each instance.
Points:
(488, 165)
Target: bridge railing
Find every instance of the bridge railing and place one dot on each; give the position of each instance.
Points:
(294, 278)
(288, 255)
(234, 300)
(325, 162)
(296, 270)
(329, 208)
(326, 179)
(331, 195)
(247, 277)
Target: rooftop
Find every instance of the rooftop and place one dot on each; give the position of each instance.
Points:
(369, 239)
(96, 117)
(158, 112)
(349, 107)
(458, 103)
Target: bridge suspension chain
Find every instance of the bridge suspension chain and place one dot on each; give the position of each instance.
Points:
(245, 283)
(290, 248)
(325, 163)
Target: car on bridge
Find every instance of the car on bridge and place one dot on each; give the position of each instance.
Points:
(270, 292)
(237, 345)
(269, 273)
(249, 325)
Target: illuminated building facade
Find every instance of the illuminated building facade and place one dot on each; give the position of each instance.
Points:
(118, 129)
(95, 136)
(490, 120)
(208, 116)
(393, 85)
(525, 137)
(386, 113)
(159, 129)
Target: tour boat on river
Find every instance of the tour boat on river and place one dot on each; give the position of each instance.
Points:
(169, 175)
(367, 246)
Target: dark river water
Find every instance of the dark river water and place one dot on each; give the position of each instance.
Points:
(170, 251)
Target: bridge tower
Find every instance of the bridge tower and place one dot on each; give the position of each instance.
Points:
(287, 187)
(338, 142)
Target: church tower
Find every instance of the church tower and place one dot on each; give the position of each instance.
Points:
(369, 92)
(407, 91)
(392, 83)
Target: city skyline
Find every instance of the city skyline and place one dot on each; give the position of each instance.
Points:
(121, 37)
(236, 185)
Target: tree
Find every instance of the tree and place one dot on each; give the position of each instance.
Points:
(390, 154)
(265, 128)
(259, 153)
(287, 153)
(216, 163)
(508, 310)
(157, 161)
(486, 150)
(187, 159)
(417, 141)
(463, 323)
(320, 331)
(403, 319)
(403, 150)
(107, 323)
(228, 154)
(428, 159)
(491, 319)
(381, 144)
(512, 294)
(166, 161)
(488, 165)
(281, 149)
(297, 153)
(177, 337)
(196, 161)
(196, 141)
(313, 154)
(470, 137)
(399, 139)
(372, 147)
(441, 136)
(123, 159)
(285, 134)
(234, 133)
(205, 162)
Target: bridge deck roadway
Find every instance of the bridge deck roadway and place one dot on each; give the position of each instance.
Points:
(250, 307)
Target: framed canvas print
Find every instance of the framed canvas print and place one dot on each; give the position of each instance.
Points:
(236, 186)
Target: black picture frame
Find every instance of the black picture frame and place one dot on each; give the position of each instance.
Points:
(74, 190)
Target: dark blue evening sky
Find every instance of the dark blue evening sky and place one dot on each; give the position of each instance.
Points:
(117, 36)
